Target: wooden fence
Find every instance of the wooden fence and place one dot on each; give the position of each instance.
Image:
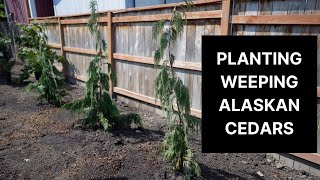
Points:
(130, 46)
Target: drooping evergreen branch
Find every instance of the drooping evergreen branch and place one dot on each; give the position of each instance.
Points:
(97, 106)
(34, 49)
(170, 90)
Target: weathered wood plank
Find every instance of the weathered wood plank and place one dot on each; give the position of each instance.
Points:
(126, 50)
(149, 60)
(118, 65)
(53, 33)
(83, 20)
(78, 64)
(141, 48)
(158, 17)
(252, 8)
(61, 38)
(277, 19)
(310, 7)
(148, 70)
(190, 56)
(265, 8)
(279, 8)
(80, 50)
(239, 9)
(197, 79)
(54, 45)
(110, 51)
(137, 50)
(210, 24)
(61, 35)
(46, 20)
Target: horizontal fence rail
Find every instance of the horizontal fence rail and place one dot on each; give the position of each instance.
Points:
(158, 17)
(313, 19)
(128, 34)
(150, 100)
(148, 60)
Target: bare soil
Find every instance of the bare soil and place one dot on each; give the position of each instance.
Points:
(39, 141)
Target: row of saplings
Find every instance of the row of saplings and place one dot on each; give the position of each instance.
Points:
(97, 107)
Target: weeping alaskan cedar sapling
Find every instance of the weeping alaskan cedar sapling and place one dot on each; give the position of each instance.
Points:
(34, 49)
(97, 106)
(169, 88)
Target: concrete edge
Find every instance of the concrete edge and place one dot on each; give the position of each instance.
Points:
(297, 163)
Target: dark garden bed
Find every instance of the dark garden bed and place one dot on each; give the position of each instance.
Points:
(39, 141)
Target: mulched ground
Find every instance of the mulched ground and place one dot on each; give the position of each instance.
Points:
(39, 141)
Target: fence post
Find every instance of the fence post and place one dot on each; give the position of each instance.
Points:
(110, 51)
(225, 19)
(61, 34)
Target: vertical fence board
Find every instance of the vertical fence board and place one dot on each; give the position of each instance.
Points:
(125, 65)
(138, 51)
(239, 9)
(146, 51)
(279, 7)
(190, 55)
(197, 80)
(110, 50)
(251, 9)
(118, 64)
(265, 8)
(130, 65)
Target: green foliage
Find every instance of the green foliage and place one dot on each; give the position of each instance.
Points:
(5, 63)
(97, 106)
(34, 49)
(48, 86)
(32, 39)
(4, 42)
(30, 35)
(2, 9)
(170, 90)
